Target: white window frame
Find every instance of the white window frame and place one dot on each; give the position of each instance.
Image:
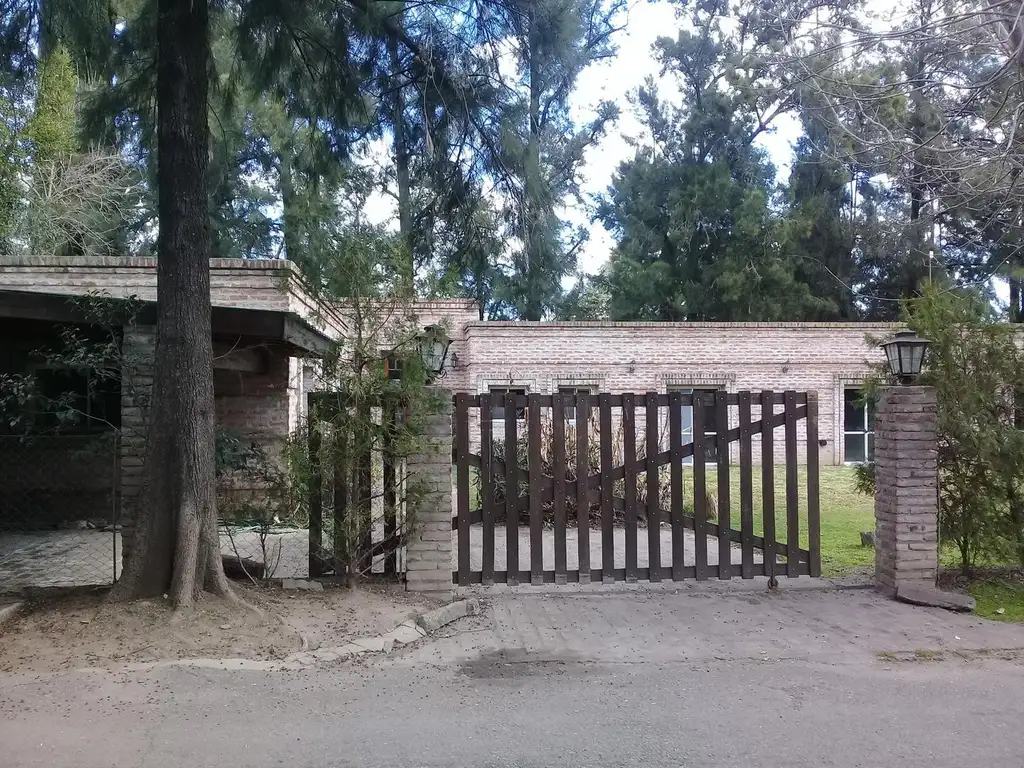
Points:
(507, 389)
(573, 389)
(687, 419)
(863, 431)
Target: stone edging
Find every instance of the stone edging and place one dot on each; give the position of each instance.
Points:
(8, 612)
(405, 633)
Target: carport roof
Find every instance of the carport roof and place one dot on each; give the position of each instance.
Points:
(255, 325)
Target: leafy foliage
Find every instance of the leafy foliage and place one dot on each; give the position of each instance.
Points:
(975, 366)
(698, 234)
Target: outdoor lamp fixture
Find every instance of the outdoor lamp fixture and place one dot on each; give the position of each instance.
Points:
(433, 344)
(905, 354)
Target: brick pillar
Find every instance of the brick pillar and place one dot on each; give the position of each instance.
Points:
(429, 550)
(138, 346)
(906, 489)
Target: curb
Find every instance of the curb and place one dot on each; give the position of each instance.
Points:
(8, 612)
(405, 633)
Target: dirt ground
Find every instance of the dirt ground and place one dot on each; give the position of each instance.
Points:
(81, 629)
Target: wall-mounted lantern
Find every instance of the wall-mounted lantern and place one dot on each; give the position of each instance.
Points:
(433, 345)
(905, 354)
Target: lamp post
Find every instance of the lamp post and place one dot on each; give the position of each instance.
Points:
(433, 345)
(905, 354)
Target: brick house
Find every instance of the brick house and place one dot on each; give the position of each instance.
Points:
(267, 327)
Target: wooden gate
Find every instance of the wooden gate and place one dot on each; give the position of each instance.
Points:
(604, 487)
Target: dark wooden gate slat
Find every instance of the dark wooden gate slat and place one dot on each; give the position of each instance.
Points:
(675, 434)
(813, 501)
(746, 486)
(607, 490)
(316, 497)
(487, 489)
(558, 501)
(792, 490)
(340, 554)
(364, 495)
(653, 491)
(724, 517)
(462, 483)
(768, 480)
(509, 403)
(582, 497)
(629, 451)
(533, 417)
(390, 500)
(700, 490)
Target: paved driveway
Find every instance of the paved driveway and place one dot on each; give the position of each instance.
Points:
(701, 677)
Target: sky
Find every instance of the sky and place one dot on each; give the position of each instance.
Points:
(615, 79)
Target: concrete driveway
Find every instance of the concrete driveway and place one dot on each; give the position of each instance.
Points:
(711, 675)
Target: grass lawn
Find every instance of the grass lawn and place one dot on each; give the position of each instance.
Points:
(844, 514)
(999, 600)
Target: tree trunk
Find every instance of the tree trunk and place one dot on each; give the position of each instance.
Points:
(176, 548)
(402, 162)
(533, 239)
(290, 234)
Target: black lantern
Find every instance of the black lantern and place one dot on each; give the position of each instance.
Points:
(433, 344)
(905, 354)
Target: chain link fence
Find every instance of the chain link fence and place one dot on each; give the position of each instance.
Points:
(58, 511)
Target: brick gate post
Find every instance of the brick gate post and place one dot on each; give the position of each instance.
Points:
(906, 490)
(428, 562)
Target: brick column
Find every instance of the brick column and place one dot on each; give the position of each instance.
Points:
(138, 345)
(906, 490)
(429, 549)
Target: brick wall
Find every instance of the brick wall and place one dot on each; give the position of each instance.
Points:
(261, 408)
(257, 405)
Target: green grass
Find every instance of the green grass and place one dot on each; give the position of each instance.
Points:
(844, 514)
(992, 596)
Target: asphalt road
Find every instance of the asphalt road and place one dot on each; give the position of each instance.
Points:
(692, 679)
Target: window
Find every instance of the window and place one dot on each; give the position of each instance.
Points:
(498, 411)
(75, 400)
(570, 410)
(710, 422)
(858, 428)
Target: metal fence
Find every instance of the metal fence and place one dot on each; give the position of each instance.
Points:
(58, 511)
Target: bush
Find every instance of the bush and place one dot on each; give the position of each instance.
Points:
(976, 366)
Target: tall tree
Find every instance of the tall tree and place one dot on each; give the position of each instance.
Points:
(555, 41)
(926, 99)
(52, 127)
(699, 233)
(177, 548)
(821, 229)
